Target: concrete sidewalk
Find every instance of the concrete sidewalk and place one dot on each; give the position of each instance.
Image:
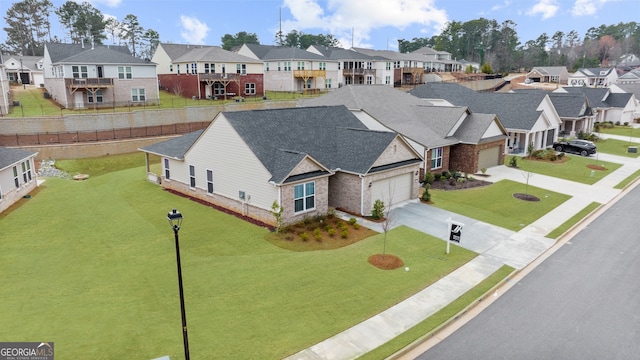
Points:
(496, 246)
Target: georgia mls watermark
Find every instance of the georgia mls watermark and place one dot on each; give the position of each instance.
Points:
(26, 351)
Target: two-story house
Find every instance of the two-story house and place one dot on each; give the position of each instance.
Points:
(437, 61)
(207, 72)
(78, 76)
(349, 66)
(288, 68)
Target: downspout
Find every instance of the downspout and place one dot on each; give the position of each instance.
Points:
(361, 194)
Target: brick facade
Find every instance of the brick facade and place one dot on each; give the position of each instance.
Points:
(464, 157)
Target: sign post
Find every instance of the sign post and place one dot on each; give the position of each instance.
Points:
(454, 232)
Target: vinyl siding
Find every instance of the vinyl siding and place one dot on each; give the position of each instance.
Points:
(235, 167)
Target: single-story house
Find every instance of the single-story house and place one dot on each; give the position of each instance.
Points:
(17, 175)
(607, 106)
(528, 117)
(448, 138)
(306, 159)
(549, 74)
(593, 77)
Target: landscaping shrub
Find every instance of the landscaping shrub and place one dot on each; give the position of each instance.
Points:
(378, 210)
(356, 226)
(345, 233)
(513, 162)
(317, 234)
(436, 177)
(353, 220)
(428, 177)
(426, 195)
(304, 236)
(331, 232)
(445, 174)
(626, 123)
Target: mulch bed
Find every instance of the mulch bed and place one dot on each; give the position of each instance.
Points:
(386, 261)
(447, 185)
(526, 197)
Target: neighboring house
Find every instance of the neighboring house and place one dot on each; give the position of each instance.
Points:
(25, 70)
(346, 67)
(607, 106)
(207, 72)
(437, 61)
(447, 137)
(630, 89)
(290, 69)
(4, 91)
(593, 77)
(528, 117)
(464, 64)
(575, 113)
(306, 159)
(78, 76)
(549, 74)
(17, 175)
(631, 77)
(408, 69)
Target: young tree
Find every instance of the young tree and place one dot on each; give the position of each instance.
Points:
(112, 27)
(131, 32)
(84, 22)
(28, 26)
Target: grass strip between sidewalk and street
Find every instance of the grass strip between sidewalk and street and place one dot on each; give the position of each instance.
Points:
(617, 147)
(573, 220)
(628, 180)
(430, 325)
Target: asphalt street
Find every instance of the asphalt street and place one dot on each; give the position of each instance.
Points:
(580, 303)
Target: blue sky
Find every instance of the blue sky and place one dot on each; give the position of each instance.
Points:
(376, 24)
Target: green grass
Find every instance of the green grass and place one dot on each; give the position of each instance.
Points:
(616, 147)
(92, 267)
(495, 204)
(438, 319)
(575, 168)
(628, 180)
(33, 103)
(621, 130)
(105, 164)
(573, 220)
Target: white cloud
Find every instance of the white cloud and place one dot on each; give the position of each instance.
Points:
(193, 31)
(546, 8)
(108, 3)
(587, 7)
(352, 21)
(505, 4)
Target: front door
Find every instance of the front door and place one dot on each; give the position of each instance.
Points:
(79, 100)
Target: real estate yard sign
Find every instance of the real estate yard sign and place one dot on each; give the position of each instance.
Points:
(454, 232)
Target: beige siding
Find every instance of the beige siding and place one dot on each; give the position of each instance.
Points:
(235, 167)
(395, 152)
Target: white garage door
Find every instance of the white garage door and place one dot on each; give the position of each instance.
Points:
(489, 157)
(392, 190)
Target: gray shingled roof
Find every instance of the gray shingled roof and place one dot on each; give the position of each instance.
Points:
(174, 148)
(515, 110)
(9, 156)
(474, 126)
(408, 115)
(336, 53)
(100, 54)
(174, 51)
(570, 105)
(271, 52)
(331, 135)
(600, 97)
(213, 54)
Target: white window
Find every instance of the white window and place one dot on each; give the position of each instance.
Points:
(79, 72)
(279, 68)
(95, 97)
(171, 67)
(300, 65)
(16, 178)
(369, 79)
(194, 68)
(436, 158)
(209, 181)
(396, 64)
(124, 72)
(26, 168)
(241, 69)
(209, 68)
(304, 197)
(167, 174)
(192, 176)
(369, 65)
(137, 95)
(266, 66)
(327, 84)
(218, 88)
(322, 66)
(250, 88)
(387, 80)
(388, 65)
(287, 66)
(178, 65)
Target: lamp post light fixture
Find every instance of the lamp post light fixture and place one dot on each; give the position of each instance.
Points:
(175, 220)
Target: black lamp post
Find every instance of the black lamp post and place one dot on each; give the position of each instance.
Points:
(24, 86)
(175, 220)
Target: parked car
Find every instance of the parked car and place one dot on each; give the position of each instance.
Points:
(528, 81)
(582, 147)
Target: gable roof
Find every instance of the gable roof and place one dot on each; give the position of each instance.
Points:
(601, 97)
(213, 53)
(515, 110)
(331, 135)
(594, 72)
(570, 105)
(174, 148)
(272, 52)
(10, 156)
(174, 51)
(100, 54)
(549, 70)
(414, 118)
(336, 53)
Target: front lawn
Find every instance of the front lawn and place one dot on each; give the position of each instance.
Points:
(621, 130)
(572, 167)
(91, 266)
(495, 204)
(616, 147)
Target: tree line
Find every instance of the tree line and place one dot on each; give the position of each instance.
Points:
(29, 28)
(489, 43)
(494, 45)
